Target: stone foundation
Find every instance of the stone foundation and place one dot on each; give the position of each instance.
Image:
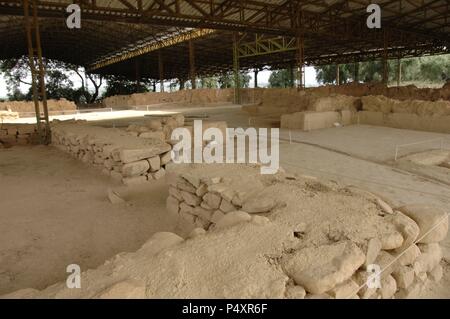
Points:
(124, 157)
(407, 250)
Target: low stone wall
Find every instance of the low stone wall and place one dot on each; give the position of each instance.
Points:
(17, 134)
(197, 97)
(407, 251)
(307, 121)
(412, 115)
(28, 106)
(124, 157)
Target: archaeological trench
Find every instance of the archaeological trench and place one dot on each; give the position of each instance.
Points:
(241, 234)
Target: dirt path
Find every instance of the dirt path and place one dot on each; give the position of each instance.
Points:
(54, 212)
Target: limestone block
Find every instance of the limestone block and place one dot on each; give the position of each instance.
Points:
(432, 222)
(344, 290)
(158, 135)
(387, 263)
(190, 199)
(175, 192)
(133, 155)
(412, 292)
(373, 249)
(430, 258)
(295, 292)
(154, 163)
(154, 124)
(232, 219)
(408, 256)
(216, 216)
(408, 228)
(385, 207)
(370, 118)
(388, 287)
(166, 158)
(404, 276)
(203, 213)
(159, 174)
(186, 209)
(135, 168)
(260, 220)
(136, 180)
(436, 273)
(258, 204)
(319, 269)
(212, 200)
(391, 240)
(226, 206)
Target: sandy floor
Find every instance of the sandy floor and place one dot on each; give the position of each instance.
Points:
(54, 212)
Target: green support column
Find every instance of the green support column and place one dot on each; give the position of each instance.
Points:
(236, 69)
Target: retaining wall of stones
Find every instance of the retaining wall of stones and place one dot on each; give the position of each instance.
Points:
(409, 254)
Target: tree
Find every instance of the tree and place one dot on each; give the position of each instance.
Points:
(423, 69)
(226, 80)
(119, 85)
(281, 79)
(327, 73)
(57, 77)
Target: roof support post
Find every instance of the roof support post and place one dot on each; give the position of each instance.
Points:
(300, 60)
(161, 71)
(37, 73)
(137, 75)
(26, 9)
(192, 64)
(356, 72)
(338, 79)
(236, 69)
(41, 73)
(385, 59)
(399, 71)
(256, 71)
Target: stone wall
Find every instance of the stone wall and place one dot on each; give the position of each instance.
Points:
(196, 97)
(28, 106)
(407, 250)
(17, 134)
(126, 158)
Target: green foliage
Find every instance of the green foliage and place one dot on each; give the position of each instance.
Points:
(434, 69)
(119, 85)
(57, 79)
(227, 80)
(281, 79)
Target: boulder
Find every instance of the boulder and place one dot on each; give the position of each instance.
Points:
(135, 168)
(232, 219)
(212, 200)
(258, 204)
(155, 163)
(432, 222)
(391, 240)
(404, 276)
(320, 269)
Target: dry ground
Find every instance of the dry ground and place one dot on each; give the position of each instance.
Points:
(54, 212)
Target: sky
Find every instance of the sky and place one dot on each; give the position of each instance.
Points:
(263, 81)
